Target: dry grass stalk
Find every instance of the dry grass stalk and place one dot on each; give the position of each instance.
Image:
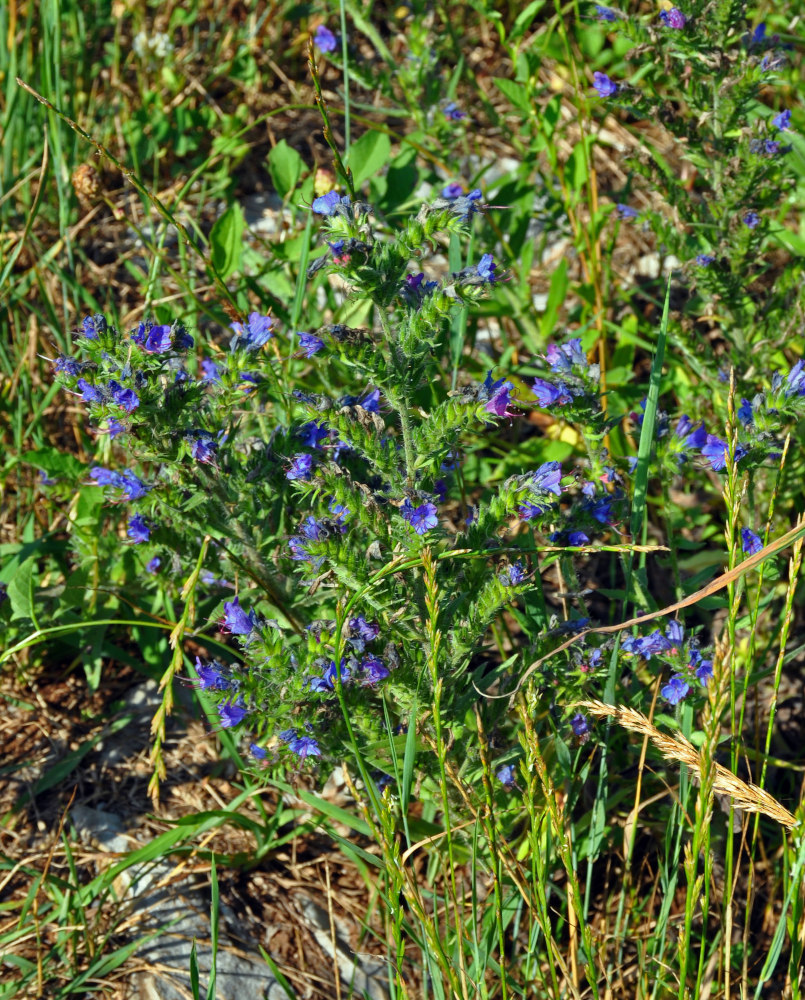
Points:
(748, 797)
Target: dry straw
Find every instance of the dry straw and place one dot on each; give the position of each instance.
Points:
(750, 798)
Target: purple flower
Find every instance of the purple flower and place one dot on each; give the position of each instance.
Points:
(464, 206)
(312, 432)
(528, 511)
(104, 477)
(131, 487)
(210, 370)
(138, 530)
(158, 340)
(673, 18)
(716, 452)
(704, 259)
(453, 113)
(513, 575)
(795, 380)
(93, 326)
(547, 393)
(338, 510)
(548, 478)
(751, 220)
(301, 467)
(258, 752)
(66, 365)
(646, 646)
(500, 402)
(375, 670)
(203, 446)
(579, 724)
(324, 39)
(562, 357)
(304, 746)
(127, 399)
(235, 620)
(231, 713)
(371, 401)
(704, 671)
(310, 344)
(298, 551)
(603, 84)
(327, 680)
(577, 538)
(89, 393)
(675, 633)
(114, 427)
(453, 190)
(486, 268)
(750, 542)
(311, 529)
(506, 776)
(605, 13)
(328, 203)
(688, 436)
(366, 630)
(782, 121)
(421, 518)
(626, 211)
(256, 332)
(209, 677)
(745, 413)
(152, 566)
(675, 690)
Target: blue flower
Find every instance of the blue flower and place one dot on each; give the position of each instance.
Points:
(673, 18)
(89, 393)
(301, 467)
(127, 399)
(750, 542)
(327, 680)
(782, 121)
(626, 211)
(548, 478)
(506, 775)
(211, 370)
(603, 84)
(646, 646)
(453, 190)
(231, 713)
(312, 432)
(210, 676)
(327, 204)
(203, 446)
(138, 530)
(716, 452)
(675, 633)
(67, 366)
(93, 326)
(324, 39)
(704, 670)
(453, 113)
(235, 620)
(675, 690)
(464, 207)
(304, 746)
(486, 268)
(256, 332)
(685, 435)
(158, 340)
(421, 518)
(310, 344)
(795, 380)
(258, 752)
(562, 357)
(579, 724)
(751, 220)
(152, 566)
(375, 670)
(547, 393)
(578, 538)
(339, 510)
(605, 13)
(745, 413)
(704, 259)
(366, 630)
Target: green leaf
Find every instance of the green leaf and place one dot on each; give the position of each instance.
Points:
(54, 462)
(286, 167)
(516, 93)
(368, 155)
(226, 241)
(556, 296)
(21, 591)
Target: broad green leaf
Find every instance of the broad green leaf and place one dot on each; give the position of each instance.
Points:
(286, 167)
(226, 241)
(516, 93)
(21, 591)
(368, 155)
